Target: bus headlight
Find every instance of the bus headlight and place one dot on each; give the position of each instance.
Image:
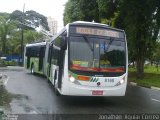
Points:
(72, 79)
(121, 81)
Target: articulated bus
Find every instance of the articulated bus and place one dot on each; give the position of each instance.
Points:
(34, 58)
(87, 59)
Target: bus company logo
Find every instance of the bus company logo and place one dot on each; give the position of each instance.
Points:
(94, 79)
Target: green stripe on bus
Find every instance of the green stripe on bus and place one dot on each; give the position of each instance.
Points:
(94, 79)
(73, 74)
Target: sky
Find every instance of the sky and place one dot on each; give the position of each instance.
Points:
(53, 8)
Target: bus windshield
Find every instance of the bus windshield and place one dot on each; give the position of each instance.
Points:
(92, 53)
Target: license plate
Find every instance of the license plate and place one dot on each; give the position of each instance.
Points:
(97, 92)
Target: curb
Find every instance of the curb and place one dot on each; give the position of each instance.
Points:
(155, 88)
(12, 68)
(151, 87)
(133, 83)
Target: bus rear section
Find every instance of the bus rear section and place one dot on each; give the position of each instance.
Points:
(95, 62)
(35, 57)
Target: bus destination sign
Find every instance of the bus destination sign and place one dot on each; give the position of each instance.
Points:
(101, 32)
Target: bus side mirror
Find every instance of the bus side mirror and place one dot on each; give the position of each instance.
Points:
(63, 43)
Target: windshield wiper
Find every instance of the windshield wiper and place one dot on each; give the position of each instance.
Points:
(109, 44)
(90, 46)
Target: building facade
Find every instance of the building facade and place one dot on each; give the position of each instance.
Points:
(52, 23)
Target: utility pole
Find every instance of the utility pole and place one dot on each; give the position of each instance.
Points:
(22, 47)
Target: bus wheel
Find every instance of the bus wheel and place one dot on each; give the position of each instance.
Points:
(48, 80)
(56, 91)
(32, 69)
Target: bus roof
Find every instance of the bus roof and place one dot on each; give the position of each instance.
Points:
(94, 24)
(36, 44)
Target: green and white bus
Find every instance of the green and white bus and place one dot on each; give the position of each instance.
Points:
(88, 59)
(34, 58)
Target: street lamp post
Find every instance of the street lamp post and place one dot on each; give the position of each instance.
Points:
(22, 47)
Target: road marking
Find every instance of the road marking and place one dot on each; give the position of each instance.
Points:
(156, 100)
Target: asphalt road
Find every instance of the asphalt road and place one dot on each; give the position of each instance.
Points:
(32, 94)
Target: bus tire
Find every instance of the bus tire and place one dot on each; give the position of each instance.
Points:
(48, 80)
(55, 77)
(56, 91)
(32, 69)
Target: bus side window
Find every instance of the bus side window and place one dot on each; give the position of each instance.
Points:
(55, 54)
(34, 51)
(27, 51)
(57, 42)
(49, 54)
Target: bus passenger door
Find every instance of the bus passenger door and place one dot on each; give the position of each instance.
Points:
(41, 56)
(61, 57)
(28, 57)
(54, 66)
(28, 61)
(49, 63)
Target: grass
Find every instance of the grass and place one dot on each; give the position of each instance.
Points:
(151, 76)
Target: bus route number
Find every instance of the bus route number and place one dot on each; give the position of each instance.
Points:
(109, 80)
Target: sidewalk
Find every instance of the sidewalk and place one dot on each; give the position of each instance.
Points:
(12, 68)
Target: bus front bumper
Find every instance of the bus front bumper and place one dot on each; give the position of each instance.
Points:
(78, 90)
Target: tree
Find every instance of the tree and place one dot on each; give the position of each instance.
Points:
(72, 12)
(10, 34)
(85, 10)
(29, 17)
(6, 27)
(14, 43)
(142, 24)
(36, 19)
(156, 54)
(107, 11)
(98, 10)
(89, 9)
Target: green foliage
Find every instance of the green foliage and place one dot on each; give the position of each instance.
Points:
(4, 63)
(141, 23)
(29, 17)
(36, 19)
(4, 16)
(72, 11)
(14, 43)
(76, 10)
(151, 76)
(10, 63)
(156, 54)
(32, 36)
(107, 11)
(10, 31)
(89, 9)
(6, 29)
(16, 15)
